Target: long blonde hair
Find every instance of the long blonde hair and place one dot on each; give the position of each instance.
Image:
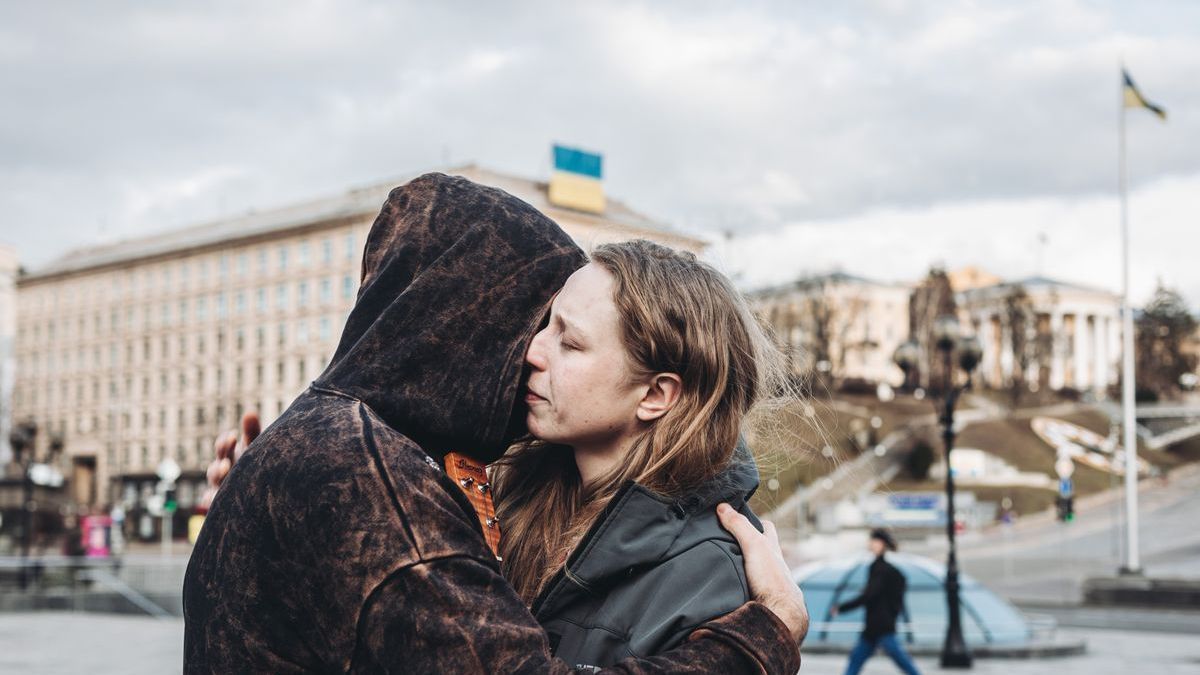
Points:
(678, 315)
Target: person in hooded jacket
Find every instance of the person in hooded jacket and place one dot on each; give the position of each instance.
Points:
(338, 543)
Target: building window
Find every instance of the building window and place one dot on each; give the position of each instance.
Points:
(302, 294)
(326, 250)
(282, 334)
(279, 373)
(242, 264)
(281, 297)
(221, 305)
(240, 303)
(302, 332)
(260, 300)
(262, 261)
(324, 329)
(201, 309)
(347, 287)
(303, 254)
(300, 368)
(351, 246)
(283, 256)
(326, 291)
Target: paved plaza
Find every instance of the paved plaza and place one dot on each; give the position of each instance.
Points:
(53, 643)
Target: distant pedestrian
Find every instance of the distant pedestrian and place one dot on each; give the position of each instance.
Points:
(884, 600)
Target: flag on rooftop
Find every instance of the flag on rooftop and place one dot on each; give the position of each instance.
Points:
(576, 181)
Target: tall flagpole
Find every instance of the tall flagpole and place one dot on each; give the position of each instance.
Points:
(1132, 564)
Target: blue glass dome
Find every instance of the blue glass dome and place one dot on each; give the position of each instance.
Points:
(987, 619)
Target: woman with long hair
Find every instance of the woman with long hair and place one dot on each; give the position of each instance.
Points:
(638, 388)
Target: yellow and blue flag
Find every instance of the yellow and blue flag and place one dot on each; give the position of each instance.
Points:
(576, 181)
(1134, 98)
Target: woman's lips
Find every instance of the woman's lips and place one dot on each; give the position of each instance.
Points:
(531, 398)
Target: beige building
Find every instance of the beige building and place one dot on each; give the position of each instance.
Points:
(146, 349)
(1073, 334)
(839, 324)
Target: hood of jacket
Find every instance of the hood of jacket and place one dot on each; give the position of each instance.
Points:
(456, 279)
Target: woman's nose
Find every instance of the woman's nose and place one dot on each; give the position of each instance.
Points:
(535, 356)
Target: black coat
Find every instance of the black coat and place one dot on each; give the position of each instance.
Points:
(337, 543)
(883, 598)
(649, 571)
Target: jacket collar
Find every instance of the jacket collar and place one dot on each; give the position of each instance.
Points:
(638, 529)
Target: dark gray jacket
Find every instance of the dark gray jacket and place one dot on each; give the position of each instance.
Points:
(648, 572)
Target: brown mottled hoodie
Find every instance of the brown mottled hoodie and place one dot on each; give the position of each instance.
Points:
(337, 544)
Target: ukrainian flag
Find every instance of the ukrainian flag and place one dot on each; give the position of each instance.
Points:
(575, 183)
(1134, 98)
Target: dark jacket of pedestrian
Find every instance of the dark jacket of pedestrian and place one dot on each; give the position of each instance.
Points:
(649, 571)
(337, 543)
(883, 598)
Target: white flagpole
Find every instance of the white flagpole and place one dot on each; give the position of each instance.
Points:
(1132, 563)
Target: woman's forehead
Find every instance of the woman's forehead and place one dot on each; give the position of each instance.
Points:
(587, 297)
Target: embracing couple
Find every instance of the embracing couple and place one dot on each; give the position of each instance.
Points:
(608, 398)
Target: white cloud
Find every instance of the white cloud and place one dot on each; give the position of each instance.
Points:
(1082, 241)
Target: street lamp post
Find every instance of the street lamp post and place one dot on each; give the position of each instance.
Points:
(950, 342)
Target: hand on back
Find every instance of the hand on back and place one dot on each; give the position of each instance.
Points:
(227, 450)
(770, 579)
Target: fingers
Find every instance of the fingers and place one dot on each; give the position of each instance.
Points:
(251, 427)
(739, 526)
(224, 445)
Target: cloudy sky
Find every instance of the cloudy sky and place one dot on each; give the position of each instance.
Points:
(877, 137)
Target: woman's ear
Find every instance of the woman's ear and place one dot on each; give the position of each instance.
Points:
(661, 395)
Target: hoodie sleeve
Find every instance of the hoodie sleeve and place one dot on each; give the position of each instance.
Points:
(457, 614)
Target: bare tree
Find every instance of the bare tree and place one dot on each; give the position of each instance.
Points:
(1021, 324)
(934, 297)
(1163, 330)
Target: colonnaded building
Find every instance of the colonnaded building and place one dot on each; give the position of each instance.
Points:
(1068, 335)
(146, 349)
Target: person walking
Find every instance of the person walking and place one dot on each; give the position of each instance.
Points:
(884, 600)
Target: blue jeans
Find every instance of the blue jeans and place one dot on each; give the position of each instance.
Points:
(865, 648)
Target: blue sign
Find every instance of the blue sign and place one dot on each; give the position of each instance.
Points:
(915, 502)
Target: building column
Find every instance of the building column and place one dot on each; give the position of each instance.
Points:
(1083, 354)
(1003, 349)
(1112, 364)
(1057, 356)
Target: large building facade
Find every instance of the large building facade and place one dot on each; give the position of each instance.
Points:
(146, 349)
(838, 324)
